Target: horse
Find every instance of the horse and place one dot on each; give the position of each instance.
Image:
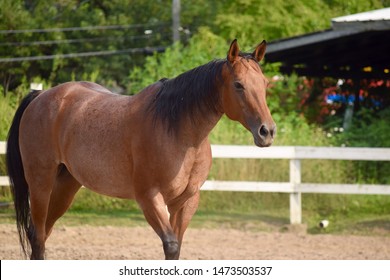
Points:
(152, 147)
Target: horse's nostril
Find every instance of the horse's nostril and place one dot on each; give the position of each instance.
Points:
(264, 131)
(273, 131)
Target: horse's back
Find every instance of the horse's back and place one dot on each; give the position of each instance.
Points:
(62, 105)
(92, 86)
(71, 93)
(83, 103)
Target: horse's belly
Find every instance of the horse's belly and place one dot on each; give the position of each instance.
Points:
(103, 177)
(113, 191)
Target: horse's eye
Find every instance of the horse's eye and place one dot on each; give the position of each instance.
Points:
(238, 86)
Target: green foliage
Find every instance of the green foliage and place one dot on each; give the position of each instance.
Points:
(369, 129)
(282, 98)
(8, 105)
(17, 14)
(202, 47)
(254, 20)
(7, 113)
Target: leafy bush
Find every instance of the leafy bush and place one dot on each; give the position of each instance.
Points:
(7, 108)
(369, 129)
(202, 47)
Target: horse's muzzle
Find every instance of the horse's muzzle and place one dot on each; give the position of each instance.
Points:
(264, 135)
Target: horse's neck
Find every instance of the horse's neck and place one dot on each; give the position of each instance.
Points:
(195, 133)
(192, 131)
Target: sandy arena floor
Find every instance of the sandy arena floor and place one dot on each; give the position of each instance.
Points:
(92, 242)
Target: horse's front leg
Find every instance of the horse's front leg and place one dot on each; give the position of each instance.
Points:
(156, 214)
(181, 215)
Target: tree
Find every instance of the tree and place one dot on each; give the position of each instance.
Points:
(129, 24)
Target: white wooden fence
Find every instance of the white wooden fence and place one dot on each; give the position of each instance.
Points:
(3, 179)
(294, 187)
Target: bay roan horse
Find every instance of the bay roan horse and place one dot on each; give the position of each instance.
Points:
(152, 147)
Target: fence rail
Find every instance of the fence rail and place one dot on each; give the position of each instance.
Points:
(3, 179)
(294, 187)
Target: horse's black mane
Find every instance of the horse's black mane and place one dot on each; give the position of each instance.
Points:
(188, 95)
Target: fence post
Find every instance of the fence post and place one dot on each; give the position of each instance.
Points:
(295, 197)
(36, 86)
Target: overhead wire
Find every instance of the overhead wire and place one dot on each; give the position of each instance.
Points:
(145, 50)
(81, 28)
(83, 40)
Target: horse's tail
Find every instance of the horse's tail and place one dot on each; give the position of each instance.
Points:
(19, 186)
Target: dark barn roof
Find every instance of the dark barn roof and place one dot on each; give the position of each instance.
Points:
(357, 46)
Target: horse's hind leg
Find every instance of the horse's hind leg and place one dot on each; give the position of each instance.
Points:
(65, 188)
(41, 182)
(51, 193)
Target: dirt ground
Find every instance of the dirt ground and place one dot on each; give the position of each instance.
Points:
(93, 242)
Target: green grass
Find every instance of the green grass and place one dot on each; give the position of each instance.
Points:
(347, 214)
(352, 214)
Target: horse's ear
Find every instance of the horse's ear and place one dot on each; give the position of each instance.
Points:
(259, 52)
(233, 52)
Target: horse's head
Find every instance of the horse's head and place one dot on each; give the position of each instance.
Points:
(244, 95)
